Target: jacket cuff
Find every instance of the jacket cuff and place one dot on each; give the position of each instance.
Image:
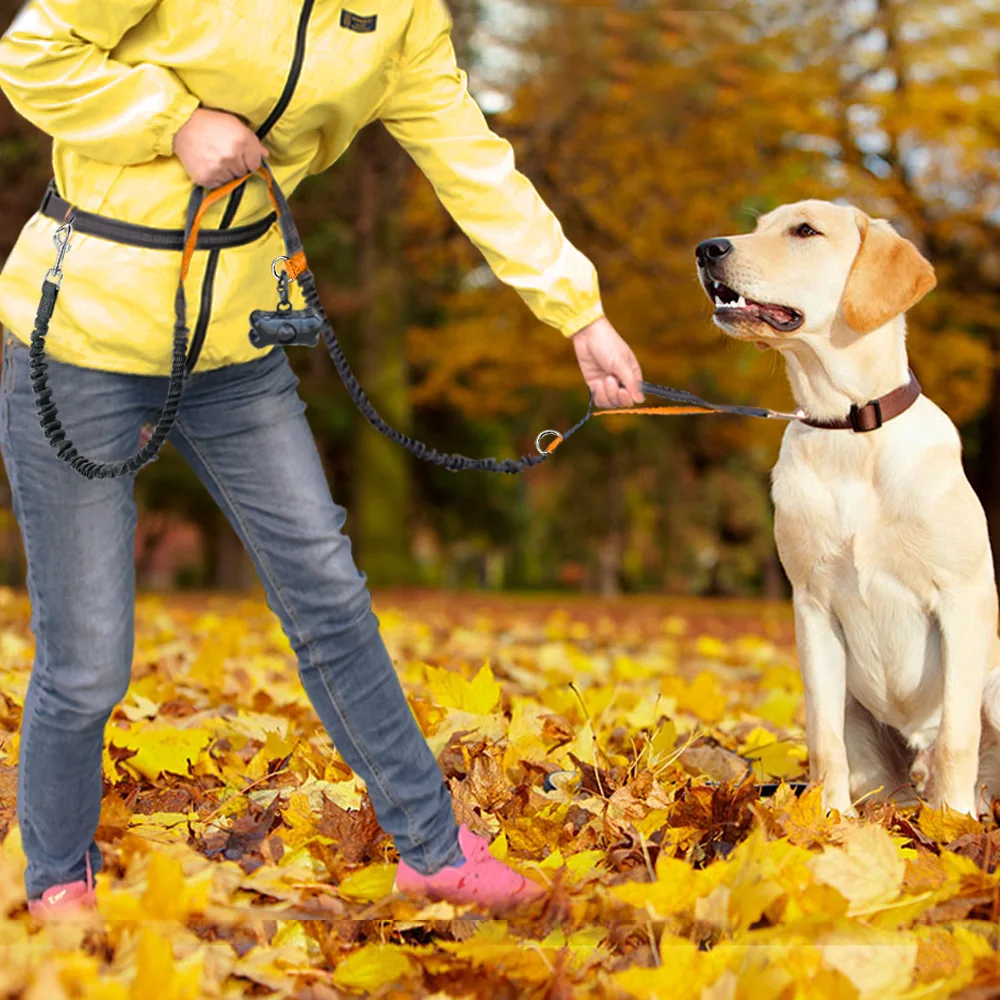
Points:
(168, 123)
(575, 323)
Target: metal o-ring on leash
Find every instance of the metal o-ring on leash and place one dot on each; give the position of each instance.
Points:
(274, 265)
(542, 450)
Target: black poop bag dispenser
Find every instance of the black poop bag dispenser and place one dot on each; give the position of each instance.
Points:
(285, 326)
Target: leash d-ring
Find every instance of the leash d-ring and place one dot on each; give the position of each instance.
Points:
(547, 450)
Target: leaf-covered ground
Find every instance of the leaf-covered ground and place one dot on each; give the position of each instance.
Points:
(639, 758)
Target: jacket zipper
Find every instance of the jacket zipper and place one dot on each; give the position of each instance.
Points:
(232, 206)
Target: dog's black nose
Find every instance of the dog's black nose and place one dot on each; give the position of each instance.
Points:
(712, 251)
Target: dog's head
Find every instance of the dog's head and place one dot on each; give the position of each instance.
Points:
(808, 267)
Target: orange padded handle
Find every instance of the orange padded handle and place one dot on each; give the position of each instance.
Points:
(655, 411)
(217, 195)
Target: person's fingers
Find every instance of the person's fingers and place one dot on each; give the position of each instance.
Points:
(623, 398)
(251, 162)
(613, 390)
(229, 167)
(629, 385)
(636, 387)
(601, 400)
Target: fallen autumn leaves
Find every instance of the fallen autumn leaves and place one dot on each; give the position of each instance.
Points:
(604, 747)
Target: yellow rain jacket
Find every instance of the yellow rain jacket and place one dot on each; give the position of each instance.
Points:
(113, 82)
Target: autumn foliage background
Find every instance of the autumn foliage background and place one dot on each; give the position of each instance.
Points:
(632, 754)
(647, 128)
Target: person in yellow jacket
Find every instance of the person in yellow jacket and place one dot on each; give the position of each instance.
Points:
(145, 99)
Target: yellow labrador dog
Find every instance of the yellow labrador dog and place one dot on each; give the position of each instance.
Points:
(878, 529)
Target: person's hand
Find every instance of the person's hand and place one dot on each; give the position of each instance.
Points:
(215, 147)
(609, 367)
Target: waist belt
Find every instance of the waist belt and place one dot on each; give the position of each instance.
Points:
(55, 207)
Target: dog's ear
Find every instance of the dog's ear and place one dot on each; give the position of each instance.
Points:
(889, 276)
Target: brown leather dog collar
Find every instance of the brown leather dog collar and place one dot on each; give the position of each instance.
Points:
(871, 416)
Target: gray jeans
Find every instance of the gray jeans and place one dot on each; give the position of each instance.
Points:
(243, 431)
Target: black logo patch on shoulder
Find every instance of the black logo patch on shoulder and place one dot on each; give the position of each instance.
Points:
(355, 22)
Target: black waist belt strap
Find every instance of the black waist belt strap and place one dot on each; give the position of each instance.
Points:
(56, 207)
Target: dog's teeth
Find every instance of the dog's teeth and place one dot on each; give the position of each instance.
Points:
(716, 284)
(741, 303)
(719, 304)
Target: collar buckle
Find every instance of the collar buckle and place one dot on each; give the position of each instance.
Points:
(866, 418)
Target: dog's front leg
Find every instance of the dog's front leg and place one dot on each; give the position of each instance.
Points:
(823, 662)
(965, 649)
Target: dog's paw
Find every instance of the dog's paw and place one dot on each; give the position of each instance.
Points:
(921, 772)
(842, 803)
(957, 802)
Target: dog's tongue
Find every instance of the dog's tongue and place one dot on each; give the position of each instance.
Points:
(778, 313)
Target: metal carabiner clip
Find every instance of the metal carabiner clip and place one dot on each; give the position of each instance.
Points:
(61, 239)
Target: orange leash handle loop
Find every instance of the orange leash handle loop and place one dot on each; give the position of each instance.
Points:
(296, 262)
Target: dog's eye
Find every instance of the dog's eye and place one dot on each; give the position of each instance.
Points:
(805, 231)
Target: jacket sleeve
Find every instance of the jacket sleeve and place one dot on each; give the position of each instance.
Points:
(57, 71)
(432, 115)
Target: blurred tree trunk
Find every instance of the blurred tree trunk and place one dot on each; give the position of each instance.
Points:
(383, 470)
(986, 473)
(227, 565)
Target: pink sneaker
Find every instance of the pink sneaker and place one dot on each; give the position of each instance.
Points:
(482, 879)
(65, 900)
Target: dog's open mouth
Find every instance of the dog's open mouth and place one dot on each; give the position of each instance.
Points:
(731, 305)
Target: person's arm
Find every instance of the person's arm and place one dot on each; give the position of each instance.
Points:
(56, 70)
(432, 115)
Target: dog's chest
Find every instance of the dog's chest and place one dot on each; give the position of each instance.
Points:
(829, 517)
(846, 538)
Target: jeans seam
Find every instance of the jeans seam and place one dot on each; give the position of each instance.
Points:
(306, 638)
(12, 477)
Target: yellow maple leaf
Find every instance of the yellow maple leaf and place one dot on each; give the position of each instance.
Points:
(682, 974)
(276, 747)
(498, 846)
(878, 963)
(867, 871)
(158, 975)
(806, 821)
(772, 757)
(451, 690)
(675, 890)
(492, 946)
(299, 817)
(704, 697)
(368, 884)
(945, 825)
(588, 942)
(373, 966)
(524, 734)
(161, 748)
(754, 883)
(779, 707)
